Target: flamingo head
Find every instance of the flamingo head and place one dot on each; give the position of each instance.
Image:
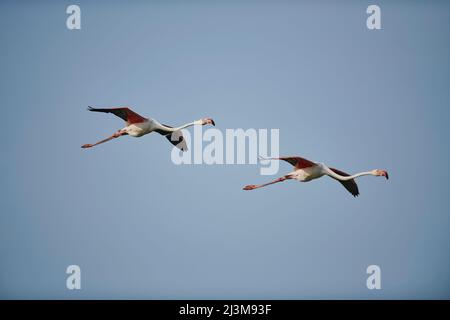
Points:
(206, 121)
(380, 173)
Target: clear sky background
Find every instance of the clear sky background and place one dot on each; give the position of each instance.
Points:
(141, 227)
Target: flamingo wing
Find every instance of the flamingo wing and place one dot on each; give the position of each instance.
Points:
(176, 138)
(298, 162)
(350, 185)
(128, 115)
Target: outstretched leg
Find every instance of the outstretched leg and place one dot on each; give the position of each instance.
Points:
(115, 135)
(252, 186)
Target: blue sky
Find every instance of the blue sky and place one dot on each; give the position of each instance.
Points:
(141, 227)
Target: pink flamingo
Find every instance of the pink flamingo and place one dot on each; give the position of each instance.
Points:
(305, 170)
(137, 126)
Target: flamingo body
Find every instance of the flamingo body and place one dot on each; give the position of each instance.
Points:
(307, 174)
(141, 128)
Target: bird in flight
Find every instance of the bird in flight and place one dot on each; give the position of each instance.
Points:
(306, 170)
(137, 126)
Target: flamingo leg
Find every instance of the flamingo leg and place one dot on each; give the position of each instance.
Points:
(115, 135)
(252, 186)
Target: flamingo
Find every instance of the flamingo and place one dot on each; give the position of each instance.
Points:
(306, 170)
(137, 126)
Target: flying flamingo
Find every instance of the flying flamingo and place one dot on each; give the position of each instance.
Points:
(305, 170)
(137, 126)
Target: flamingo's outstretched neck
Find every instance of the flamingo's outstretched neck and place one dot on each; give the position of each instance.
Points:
(200, 122)
(333, 174)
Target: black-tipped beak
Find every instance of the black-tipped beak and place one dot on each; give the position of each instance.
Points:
(208, 121)
(387, 176)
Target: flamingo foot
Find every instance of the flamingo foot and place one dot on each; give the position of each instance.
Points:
(249, 187)
(87, 145)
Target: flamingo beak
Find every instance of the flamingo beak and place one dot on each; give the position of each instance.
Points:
(209, 121)
(385, 174)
